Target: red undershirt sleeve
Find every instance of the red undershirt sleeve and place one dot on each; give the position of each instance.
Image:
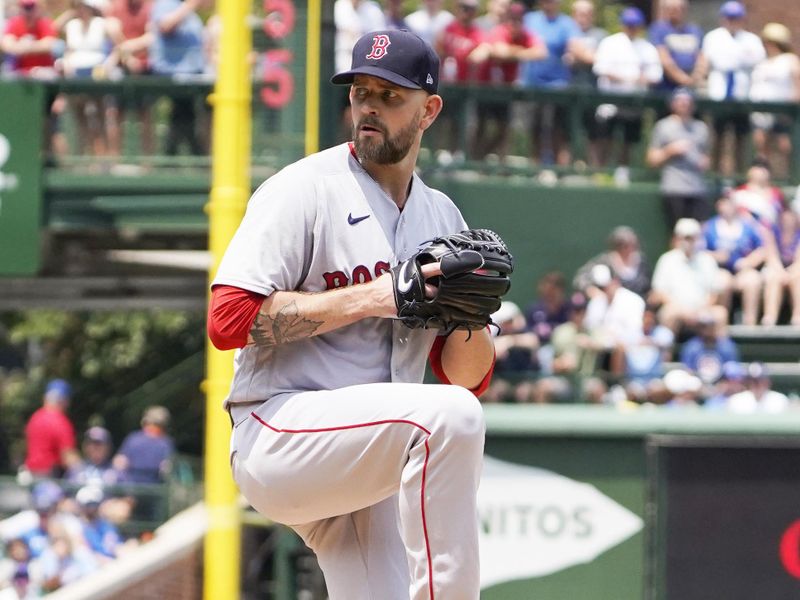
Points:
(435, 357)
(231, 313)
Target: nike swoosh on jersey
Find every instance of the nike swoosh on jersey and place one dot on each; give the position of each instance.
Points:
(353, 220)
(405, 283)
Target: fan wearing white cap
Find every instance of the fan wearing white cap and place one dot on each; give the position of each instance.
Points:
(686, 280)
(88, 37)
(102, 536)
(614, 317)
(683, 387)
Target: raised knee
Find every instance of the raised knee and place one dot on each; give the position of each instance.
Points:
(462, 414)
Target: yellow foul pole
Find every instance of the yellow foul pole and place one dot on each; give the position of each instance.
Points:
(313, 50)
(230, 189)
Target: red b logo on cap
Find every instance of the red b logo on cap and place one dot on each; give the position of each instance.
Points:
(379, 45)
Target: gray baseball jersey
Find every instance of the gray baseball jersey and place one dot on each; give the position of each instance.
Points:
(318, 224)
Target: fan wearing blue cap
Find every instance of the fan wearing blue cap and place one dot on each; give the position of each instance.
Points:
(731, 382)
(50, 436)
(726, 62)
(625, 63)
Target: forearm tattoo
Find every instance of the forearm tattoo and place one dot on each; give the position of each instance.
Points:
(288, 325)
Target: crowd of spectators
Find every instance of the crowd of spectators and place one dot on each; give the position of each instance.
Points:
(537, 45)
(108, 40)
(59, 539)
(497, 43)
(626, 334)
(82, 500)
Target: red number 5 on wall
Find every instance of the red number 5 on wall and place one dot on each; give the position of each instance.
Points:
(278, 24)
(280, 82)
(279, 21)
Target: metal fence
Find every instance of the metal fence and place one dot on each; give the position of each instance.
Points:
(278, 133)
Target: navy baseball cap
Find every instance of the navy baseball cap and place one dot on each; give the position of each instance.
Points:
(97, 434)
(396, 55)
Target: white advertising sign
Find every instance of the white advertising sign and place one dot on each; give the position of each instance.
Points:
(7, 180)
(535, 522)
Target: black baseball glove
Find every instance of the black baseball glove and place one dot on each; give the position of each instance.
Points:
(475, 268)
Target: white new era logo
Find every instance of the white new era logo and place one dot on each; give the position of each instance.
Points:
(429, 80)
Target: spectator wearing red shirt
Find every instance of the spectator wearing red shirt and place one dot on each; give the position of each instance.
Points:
(133, 57)
(50, 435)
(453, 46)
(758, 198)
(29, 40)
(456, 42)
(133, 16)
(499, 58)
(28, 45)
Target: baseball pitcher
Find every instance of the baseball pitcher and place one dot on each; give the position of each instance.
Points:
(345, 276)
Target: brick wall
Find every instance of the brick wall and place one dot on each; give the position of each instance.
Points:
(180, 580)
(705, 12)
(780, 11)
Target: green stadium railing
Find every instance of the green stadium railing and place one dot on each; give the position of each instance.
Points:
(276, 143)
(577, 100)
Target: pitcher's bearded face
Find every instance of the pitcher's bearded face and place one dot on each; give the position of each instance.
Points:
(373, 143)
(387, 119)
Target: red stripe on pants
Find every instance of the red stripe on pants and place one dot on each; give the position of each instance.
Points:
(424, 468)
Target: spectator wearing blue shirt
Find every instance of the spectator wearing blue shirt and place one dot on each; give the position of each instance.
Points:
(705, 353)
(559, 32)
(66, 560)
(46, 496)
(101, 535)
(145, 458)
(736, 245)
(678, 43)
(145, 455)
(644, 360)
(177, 51)
(35, 527)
